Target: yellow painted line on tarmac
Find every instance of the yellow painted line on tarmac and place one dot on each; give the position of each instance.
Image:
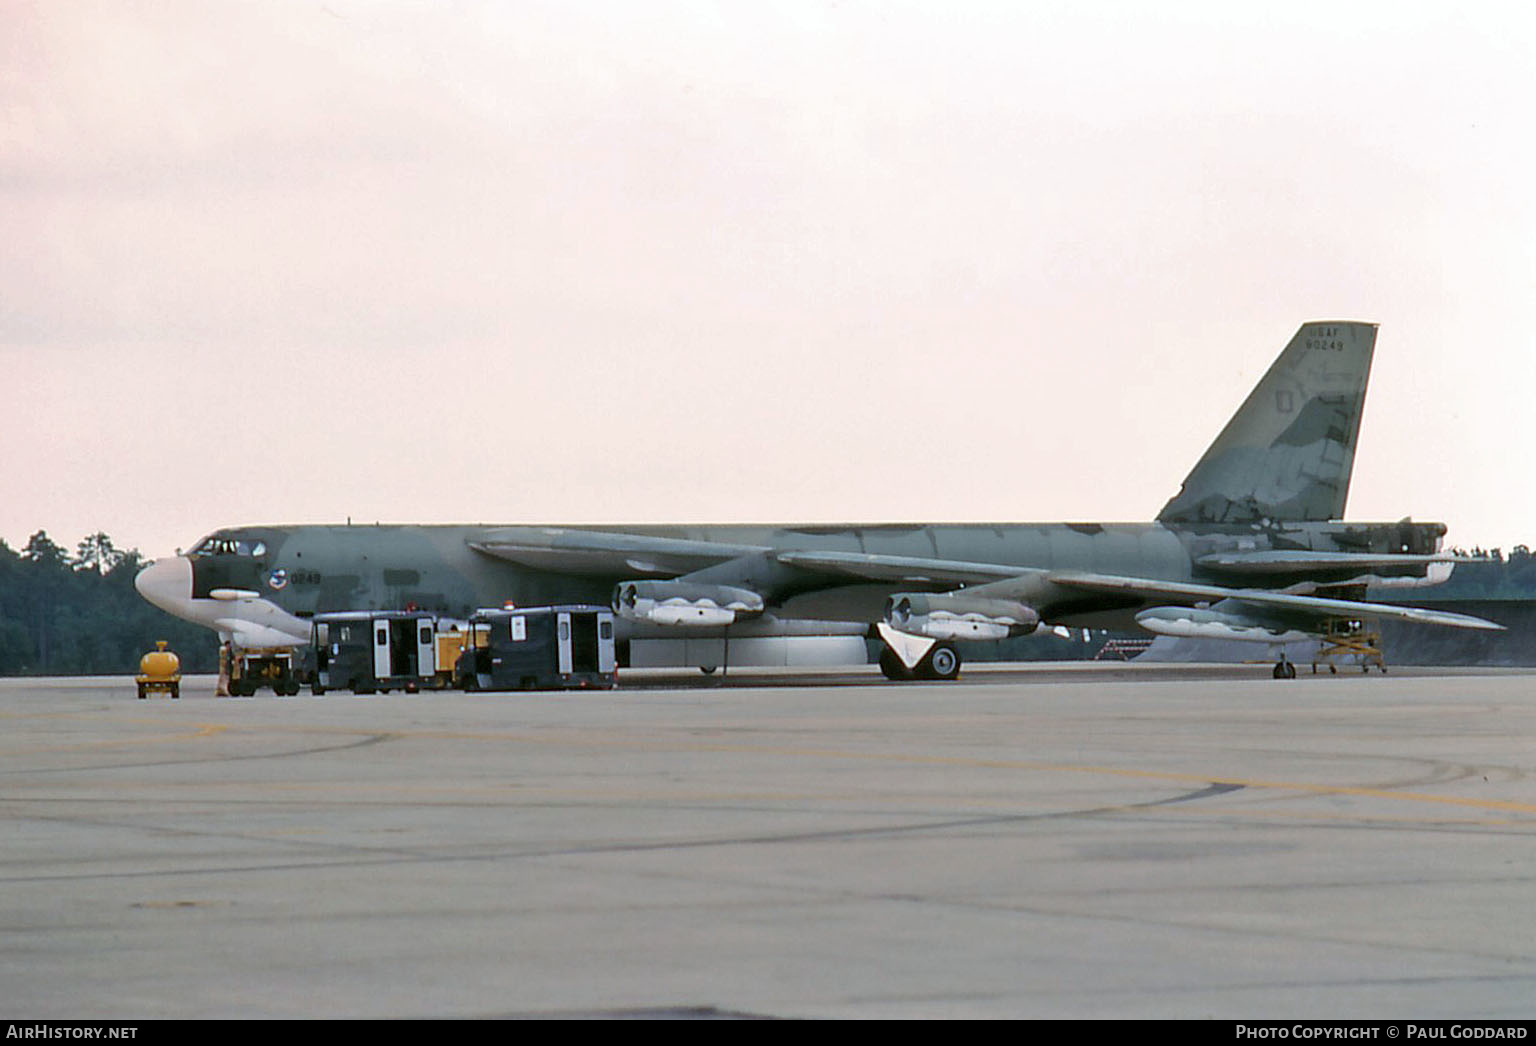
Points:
(683, 744)
(200, 731)
(325, 794)
(1000, 806)
(1358, 791)
(1472, 802)
(1247, 813)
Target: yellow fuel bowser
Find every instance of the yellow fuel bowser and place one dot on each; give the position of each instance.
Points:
(159, 672)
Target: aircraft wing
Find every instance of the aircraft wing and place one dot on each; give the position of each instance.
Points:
(731, 568)
(870, 567)
(992, 579)
(865, 566)
(1187, 592)
(575, 551)
(603, 553)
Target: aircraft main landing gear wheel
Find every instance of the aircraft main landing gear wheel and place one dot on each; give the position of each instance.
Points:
(942, 663)
(1285, 670)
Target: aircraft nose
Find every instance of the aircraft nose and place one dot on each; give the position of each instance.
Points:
(167, 583)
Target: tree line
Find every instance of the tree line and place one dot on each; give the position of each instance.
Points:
(77, 613)
(1493, 576)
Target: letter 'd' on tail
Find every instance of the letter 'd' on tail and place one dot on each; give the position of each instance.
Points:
(1288, 452)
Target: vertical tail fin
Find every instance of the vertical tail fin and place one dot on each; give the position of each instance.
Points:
(1288, 452)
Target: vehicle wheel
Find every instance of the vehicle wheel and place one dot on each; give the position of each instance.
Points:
(891, 666)
(141, 691)
(1279, 669)
(175, 691)
(942, 663)
(708, 670)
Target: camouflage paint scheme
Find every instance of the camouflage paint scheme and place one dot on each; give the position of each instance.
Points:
(1252, 539)
(440, 569)
(1289, 451)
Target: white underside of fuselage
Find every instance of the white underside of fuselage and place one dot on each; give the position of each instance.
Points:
(244, 619)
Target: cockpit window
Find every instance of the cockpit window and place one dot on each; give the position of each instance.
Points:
(227, 546)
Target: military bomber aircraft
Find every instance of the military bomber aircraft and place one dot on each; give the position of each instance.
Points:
(1252, 547)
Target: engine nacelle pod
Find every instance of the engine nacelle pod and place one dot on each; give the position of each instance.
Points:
(1193, 623)
(958, 616)
(684, 603)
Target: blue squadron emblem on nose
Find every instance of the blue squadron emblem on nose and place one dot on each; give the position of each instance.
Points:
(278, 579)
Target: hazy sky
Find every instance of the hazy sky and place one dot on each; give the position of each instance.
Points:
(521, 262)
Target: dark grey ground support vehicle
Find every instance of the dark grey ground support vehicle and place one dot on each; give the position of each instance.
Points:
(539, 648)
(373, 651)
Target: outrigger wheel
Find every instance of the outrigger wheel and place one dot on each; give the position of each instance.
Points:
(942, 662)
(1284, 669)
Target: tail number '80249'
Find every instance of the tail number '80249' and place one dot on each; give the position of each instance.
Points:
(1324, 339)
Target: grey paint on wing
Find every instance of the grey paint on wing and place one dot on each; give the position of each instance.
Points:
(1288, 452)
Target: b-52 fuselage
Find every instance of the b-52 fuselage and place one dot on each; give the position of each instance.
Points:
(1251, 548)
